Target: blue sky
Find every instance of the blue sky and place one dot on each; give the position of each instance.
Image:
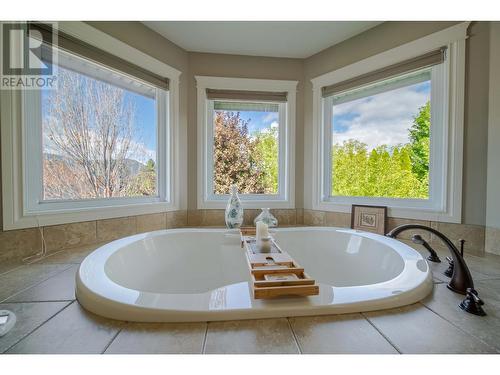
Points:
(145, 132)
(380, 119)
(145, 119)
(258, 120)
(145, 140)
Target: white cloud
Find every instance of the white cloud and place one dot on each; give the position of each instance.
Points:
(274, 125)
(141, 153)
(381, 119)
(270, 117)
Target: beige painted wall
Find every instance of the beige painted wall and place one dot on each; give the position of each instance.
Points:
(144, 39)
(493, 182)
(392, 34)
(476, 124)
(206, 64)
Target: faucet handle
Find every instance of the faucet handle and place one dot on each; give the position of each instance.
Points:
(472, 303)
(449, 270)
(472, 293)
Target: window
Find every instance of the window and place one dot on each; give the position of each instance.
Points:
(94, 139)
(245, 147)
(99, 135)
(101, 144)
(381, 138)
(247, 140)
(389, 131)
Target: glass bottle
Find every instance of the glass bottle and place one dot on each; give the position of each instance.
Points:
(267, 217)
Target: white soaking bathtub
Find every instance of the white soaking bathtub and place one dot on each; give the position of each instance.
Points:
(185, 275)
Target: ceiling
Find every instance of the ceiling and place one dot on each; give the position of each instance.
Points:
(297, 39)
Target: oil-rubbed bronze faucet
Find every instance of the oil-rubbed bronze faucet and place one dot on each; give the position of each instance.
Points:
(461, 279)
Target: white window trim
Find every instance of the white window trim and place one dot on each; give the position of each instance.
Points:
(15, 212)
(286, 198)
(453, 116)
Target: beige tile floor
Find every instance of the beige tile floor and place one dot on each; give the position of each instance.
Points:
(50, 320)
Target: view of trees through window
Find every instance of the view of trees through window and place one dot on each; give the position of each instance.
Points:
(380, 144)
(99, 140)
(245, 149)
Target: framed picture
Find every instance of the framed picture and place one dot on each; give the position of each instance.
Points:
(369, 218)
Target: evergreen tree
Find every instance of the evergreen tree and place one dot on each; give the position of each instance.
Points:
(267, 158)
(382, 172)
(419, 134)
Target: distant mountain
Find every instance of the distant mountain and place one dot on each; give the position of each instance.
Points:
(133, 165)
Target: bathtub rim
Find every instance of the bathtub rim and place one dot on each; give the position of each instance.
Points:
(101, 304)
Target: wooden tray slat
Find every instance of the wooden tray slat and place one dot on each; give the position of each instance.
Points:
(293, 290)
(260, 272)
(269, 283)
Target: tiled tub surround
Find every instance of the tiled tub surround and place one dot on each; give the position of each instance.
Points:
(50, 320)
(492, 240)
(473, 234)
(17, 244)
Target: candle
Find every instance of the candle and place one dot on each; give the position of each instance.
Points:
(262, 230)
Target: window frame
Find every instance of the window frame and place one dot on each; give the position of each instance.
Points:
(437, 141)
(445, 179)
(22, 173)
(285, 198)
(33, 172)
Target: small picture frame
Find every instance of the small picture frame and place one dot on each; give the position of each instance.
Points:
(369, 218)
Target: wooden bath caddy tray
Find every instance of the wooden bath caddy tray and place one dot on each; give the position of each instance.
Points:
(275, 273)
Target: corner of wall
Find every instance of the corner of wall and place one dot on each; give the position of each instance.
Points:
(492, 236)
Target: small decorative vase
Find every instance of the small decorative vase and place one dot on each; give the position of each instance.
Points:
(234, 210)
(267, 217)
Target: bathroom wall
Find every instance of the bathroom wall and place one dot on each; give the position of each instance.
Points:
(219, 65)
(371, 42)
(14, 244)
(493, 183)
(476, 124)
(144, 39)
(392, 34)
